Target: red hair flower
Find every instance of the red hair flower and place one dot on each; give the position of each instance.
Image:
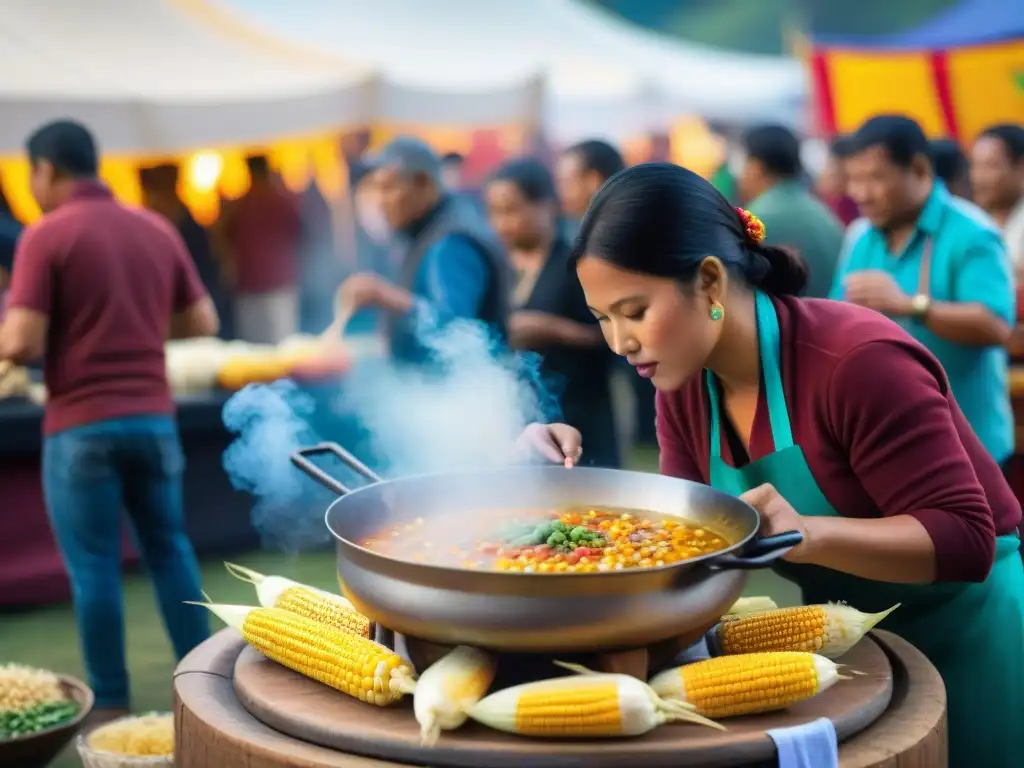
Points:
(752, 225)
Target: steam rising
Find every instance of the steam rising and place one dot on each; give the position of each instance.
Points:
(461, 412)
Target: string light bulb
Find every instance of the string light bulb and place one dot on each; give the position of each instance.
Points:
(203, 170)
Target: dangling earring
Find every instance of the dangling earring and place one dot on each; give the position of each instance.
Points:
(717, 311)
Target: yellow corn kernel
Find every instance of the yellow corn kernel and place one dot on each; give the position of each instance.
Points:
(351, 664)
(448, 688)
(326, 609)
(830, 630)
(590, 705)
(313, 603)
(748, 683)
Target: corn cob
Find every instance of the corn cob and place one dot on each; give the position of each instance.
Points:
(830, 630)
(747, 605)
(592, 705)
(351, 664)
(313, 603)
(747, 684)
(448, 688)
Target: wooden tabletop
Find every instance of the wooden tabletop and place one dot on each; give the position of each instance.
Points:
(214, 729)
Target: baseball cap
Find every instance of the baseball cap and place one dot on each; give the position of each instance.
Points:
(407, 154)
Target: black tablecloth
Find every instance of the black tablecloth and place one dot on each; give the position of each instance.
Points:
(217, 515)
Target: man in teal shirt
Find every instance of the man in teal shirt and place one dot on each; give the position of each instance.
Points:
(793, 217)
(935, 265)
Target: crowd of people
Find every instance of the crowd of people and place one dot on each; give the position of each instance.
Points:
(597, 268)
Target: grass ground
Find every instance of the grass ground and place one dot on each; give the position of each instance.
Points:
(34, 637)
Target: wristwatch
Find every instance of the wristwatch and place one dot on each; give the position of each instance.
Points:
(919, 305)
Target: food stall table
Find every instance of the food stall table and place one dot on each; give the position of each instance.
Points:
(214, 727)
(31, 572)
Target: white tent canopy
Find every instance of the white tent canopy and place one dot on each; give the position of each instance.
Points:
(465, 62)
(148, 77)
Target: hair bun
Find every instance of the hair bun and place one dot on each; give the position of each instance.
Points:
(786, 273)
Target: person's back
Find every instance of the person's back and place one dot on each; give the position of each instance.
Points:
(118, 281)
(96, 290)
(795, 218)
(264, 233)
(263, 229)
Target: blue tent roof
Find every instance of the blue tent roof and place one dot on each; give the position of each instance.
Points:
(971, 22)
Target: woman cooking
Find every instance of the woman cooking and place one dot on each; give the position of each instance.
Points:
(549, 312)
(826, 417)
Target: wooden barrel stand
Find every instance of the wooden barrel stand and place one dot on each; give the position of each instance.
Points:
(214, 729)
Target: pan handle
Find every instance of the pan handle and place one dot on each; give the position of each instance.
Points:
(758, 553)
(301, 459)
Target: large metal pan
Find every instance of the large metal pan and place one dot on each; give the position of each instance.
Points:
(532, 611)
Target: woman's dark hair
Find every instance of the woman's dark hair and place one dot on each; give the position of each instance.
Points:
(531, 177)
(662, 220)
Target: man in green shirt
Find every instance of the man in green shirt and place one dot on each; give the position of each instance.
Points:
(793, 217)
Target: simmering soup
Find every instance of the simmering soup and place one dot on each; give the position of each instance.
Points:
(577, 540)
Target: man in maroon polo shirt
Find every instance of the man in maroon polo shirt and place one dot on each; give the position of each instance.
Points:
(262, 232)
(96, 290)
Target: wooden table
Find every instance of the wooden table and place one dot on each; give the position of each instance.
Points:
(214, 730)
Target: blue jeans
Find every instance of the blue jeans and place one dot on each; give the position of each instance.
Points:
(89, 474)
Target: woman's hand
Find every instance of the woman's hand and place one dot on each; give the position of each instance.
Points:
(558, 443)
(777, 516)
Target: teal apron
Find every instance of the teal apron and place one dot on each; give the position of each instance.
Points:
(972, 633)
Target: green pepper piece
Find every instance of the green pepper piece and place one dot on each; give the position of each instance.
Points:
(577, 533)
(556, 538)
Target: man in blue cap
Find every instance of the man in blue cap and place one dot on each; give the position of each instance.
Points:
(449, 263)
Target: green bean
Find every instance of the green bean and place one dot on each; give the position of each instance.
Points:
(38, 718)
